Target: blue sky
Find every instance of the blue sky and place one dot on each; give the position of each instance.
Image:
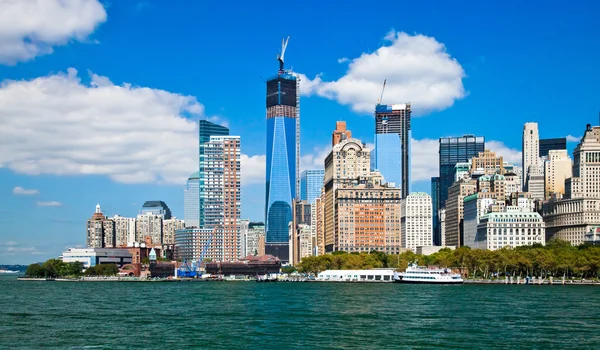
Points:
(98, 98)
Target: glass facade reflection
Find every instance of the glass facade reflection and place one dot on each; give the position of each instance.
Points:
(311, 182)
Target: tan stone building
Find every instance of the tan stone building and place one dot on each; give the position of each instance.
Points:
(100, 231)
(454, 209)
(487, 163)
(557, 169)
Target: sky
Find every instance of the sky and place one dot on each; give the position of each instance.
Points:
(99, 99)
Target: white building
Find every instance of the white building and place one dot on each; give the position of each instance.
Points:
(253, 232)
(557, 169)
(474, 209)
(149, 225)
(169, 228)
(95, 256)
(191, 201)
(586, 167)
(374, 275)
(443, 226)
(417, 221)
(513, 228)
(535, 182)
(124, 230)
(531, 149)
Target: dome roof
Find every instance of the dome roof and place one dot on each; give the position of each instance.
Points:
(194, 176)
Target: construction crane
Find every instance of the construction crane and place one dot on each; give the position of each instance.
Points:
(190, 271)
(284, 43)
(382, 90)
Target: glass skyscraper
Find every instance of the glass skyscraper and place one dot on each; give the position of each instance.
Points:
(311, 182)
(435, 195)
(551, 145)
(283, 155)
(206, 129)
(156, 208)
(392, 144)
(191, 201)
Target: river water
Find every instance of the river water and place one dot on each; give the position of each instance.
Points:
(245, 315)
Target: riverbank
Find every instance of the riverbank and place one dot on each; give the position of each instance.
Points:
(534, 281)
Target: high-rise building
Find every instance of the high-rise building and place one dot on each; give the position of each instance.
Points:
(254, 237)
(124, 231)
(100, 230)
(311, 183)
(159, 208)
(300, 242)
(557, 168)
(222, 194)
(206, 129)
(191, 201)
(302, 217)
(319, 224)
(487, 163)
(283, 157)
(453, 150)
(435, 195)
(586, 166)
(169, 228)
(416, 222)
(454, 210)
(340, 133)
(535, 182)
(531, 150)
(473, 209)
(149, 225)
(392, 144)
(556, 144)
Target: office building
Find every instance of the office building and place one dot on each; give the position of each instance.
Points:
(300, 242)
(340, 133)
(512, 228)
(319, 226)
(254, 238)
(454, 210)
(302, 217)
(454, 150)
(392, 144)
(169, 228)
(311, 183)
(159, 208)
(535, 182)
(206, 129)
(557, 168)
(283, 157)
(462, 170)
(487, 163)
(416, 221)
(586, 166)
(100, 231)
(512, 183)
(222, 193)
(191, 242)
(191, 201)
(149, 225)
(435, 195)
(474, 208)
(531, 150)
(442, 226)
(556, 144)
(96, 256)
(124, 231)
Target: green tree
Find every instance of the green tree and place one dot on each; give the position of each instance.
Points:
(34, 270)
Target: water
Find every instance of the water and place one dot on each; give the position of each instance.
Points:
(242, 315)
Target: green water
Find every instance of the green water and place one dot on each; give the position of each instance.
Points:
(245, 315)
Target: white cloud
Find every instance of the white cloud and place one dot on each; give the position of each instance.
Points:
(424, 159)
(32, 28)
(49, 204)
(253, 169)
(343, 60)
(510, 155)
(571, 138)
(18, 190)
(315, 159)
(418, 69)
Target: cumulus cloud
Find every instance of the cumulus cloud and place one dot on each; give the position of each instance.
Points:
(424, 159)
(571, 138)
(510, 155)
(49, 204)
(32, 28)
(253, 169)
(418, 69)
(18, 190)
(315, 159)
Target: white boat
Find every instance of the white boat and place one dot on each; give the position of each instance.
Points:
(432, 275)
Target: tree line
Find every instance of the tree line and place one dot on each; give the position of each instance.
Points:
(54, 268)
(558, 258)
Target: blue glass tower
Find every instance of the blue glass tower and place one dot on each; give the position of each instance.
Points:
(311, 182)
(206, 129)
(283, 147)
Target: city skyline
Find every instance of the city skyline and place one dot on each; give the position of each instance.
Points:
(48, 194)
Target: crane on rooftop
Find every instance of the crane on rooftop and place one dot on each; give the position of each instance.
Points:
(382, 90)
(284, 43)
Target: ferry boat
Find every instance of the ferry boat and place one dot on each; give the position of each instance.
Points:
(421, 274)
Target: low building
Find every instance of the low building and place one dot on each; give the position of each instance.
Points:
(431, 250)
(513, 228)
(593, 236)
(191, 242)
(373, 275)
(248, 266)
(571, 219)
(96, 256)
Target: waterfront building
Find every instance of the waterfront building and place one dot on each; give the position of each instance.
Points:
(474, 208)
(416, 221)
(206, 129)
(191, 242)
(392, 144)
(535, 182)
(244, 225)
(248, 266)
(556, 144)
(454, 210)
(159, 208)
(487, 163)
(169, 228)
(571, 219)
(311, 182)
(513, 228)
(340, 133)
(302, 217)
(531, 150)
(300, 242)
(100, 231)
(124, 231)
(149, 225)
(557, 169)
(283, 157)
(367, 217)
(442, 215)
(222, 193)
(191, 201)
(435, 195)
(96, 256)
(319, 226)
(453, 150)
(254, 238)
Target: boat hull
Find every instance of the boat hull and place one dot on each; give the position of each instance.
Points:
(429, 282)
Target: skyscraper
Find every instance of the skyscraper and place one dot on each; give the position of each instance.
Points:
(191, 201)
(206, 129)
(435, 195)
(555, 144)
(392, 144)
(159, 208)
(311, 182)
(340, 133)
(283, 157)
(531, 149)
(453, 150)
